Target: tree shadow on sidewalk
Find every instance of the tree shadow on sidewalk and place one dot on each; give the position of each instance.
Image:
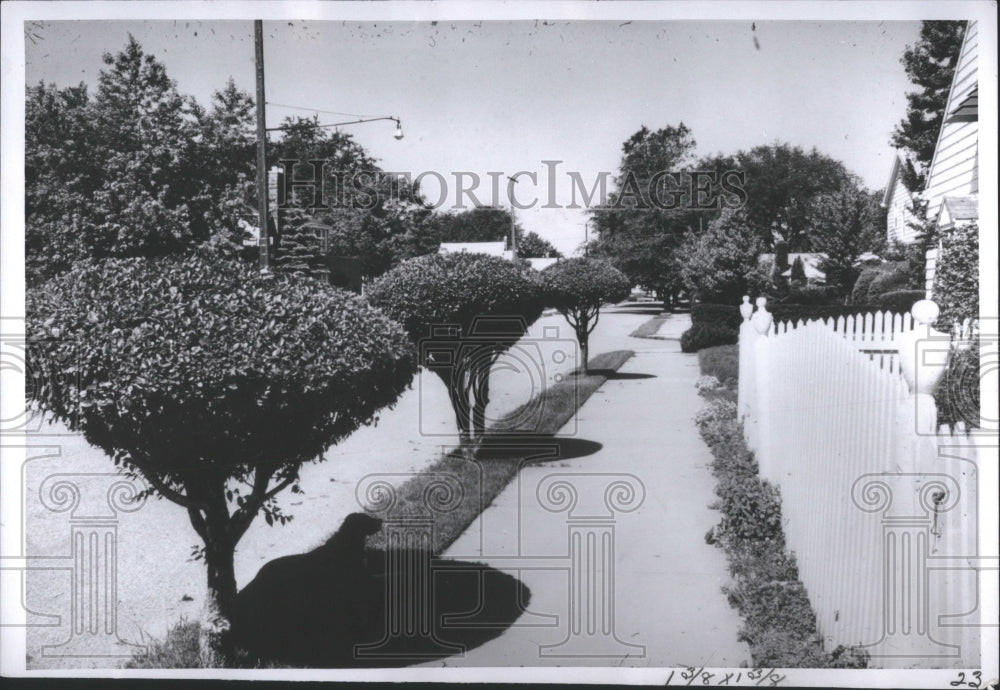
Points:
(398, 608)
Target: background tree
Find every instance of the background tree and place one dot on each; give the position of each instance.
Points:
(798, 277)
(578, 288)
(116, 175)
(462, 311)
(721, 265)
(212, 382)
(634, 230)
(930, 65)
(481, 224)
(781, 183)
(534, 246)
(848, 223)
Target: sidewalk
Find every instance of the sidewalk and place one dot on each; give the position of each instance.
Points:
(665, 597)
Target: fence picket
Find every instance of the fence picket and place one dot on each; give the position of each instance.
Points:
(825, 406)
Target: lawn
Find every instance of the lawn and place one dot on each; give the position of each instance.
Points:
(506, 449)
(721, 361)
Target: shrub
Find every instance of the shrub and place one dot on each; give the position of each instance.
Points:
(893, 276)
(463, 311)
(859, 295)
(957, 395)
(578, 288)
(956, 280)
(209, 378)
(721, 362)
(706, 335)
(720, 314)
(813, 295)
(899, 301)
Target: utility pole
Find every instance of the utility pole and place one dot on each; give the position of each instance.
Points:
(510, 195)
(262, 238)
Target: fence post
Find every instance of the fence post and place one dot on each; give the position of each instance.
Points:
(746, 362)
(762, 322)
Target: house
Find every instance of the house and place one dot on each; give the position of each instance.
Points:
(952, 190)
(897, 202)
(489, 248)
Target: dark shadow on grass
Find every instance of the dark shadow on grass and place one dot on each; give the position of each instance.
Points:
(305, 611)
(620, 375)
(540, 447)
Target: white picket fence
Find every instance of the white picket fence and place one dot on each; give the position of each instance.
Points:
(879, 506)
(873, 334)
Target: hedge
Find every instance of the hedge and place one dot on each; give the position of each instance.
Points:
(707, 335)
(899, 301)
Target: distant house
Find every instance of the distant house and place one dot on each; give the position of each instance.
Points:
(897, 201)
(489, 248)
(540, 264)
(952, 191)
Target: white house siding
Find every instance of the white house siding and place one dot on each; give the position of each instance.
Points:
(953, 168)
(898, 216)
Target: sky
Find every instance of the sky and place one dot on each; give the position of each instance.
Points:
(504, 96)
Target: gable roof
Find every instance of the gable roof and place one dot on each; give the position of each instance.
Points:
(890, 187)
(959, 208)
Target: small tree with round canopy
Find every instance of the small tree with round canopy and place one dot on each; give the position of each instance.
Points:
(577, 288)
(462, 310)
(211, 381)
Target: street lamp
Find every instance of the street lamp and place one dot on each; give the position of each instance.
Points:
(262, 129)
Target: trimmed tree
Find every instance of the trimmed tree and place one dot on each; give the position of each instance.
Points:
(212, 382)
(462, 311)
(578, 288)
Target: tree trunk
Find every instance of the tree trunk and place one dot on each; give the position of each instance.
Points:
(480, 399)
(219, 602)
(585, 352)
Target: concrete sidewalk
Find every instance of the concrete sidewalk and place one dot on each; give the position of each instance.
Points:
(661, 603)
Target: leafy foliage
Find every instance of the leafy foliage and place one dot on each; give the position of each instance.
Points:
(702, 335)
(578, 288)
(956, 279)
(637, 236)
(213, 382)
(847, 223)
(930, 65)
(534, 246)
(720, 265)
(463, 311)
(899, 301)
(782, 182)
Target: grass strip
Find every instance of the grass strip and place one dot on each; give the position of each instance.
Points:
(722, 362)
(509, 445)
(649, 328)
(779, 623)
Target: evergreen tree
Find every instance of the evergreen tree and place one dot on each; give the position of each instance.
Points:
(930, 65)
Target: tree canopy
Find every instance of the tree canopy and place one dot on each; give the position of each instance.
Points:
(462, 311)
(721, 264)
(534, 246)
(211, 380)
